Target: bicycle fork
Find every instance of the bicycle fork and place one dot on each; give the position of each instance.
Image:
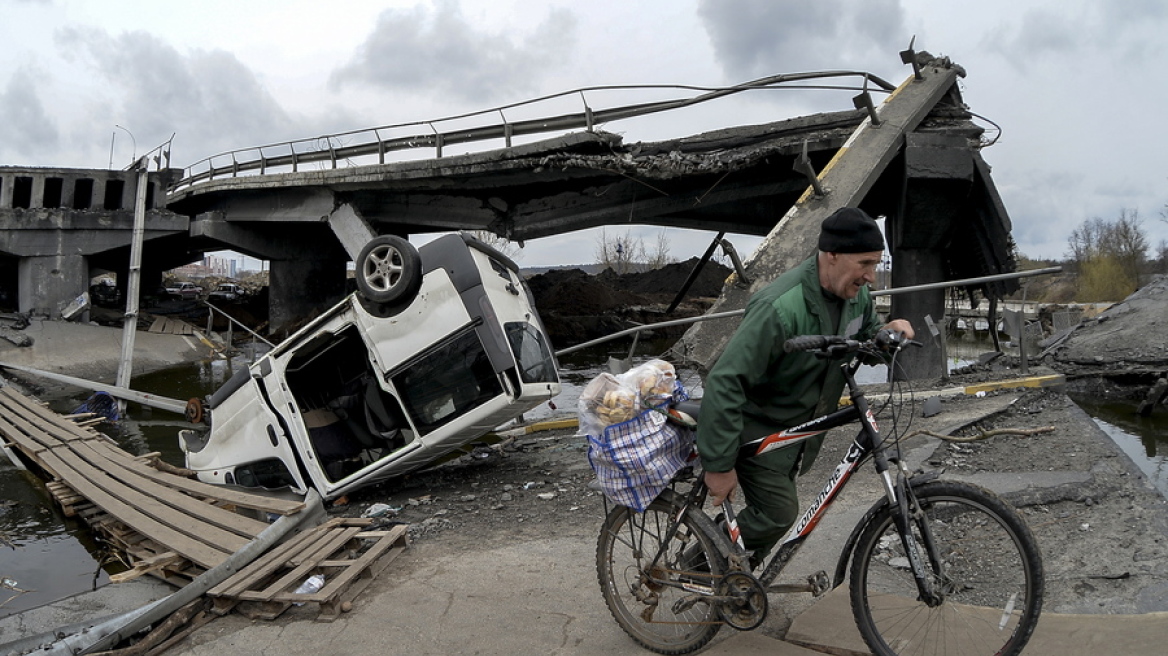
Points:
(907, 513)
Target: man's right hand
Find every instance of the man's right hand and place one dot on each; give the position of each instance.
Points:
(722, 485)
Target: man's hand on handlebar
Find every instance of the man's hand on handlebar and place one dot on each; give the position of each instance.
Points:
(722, 485)
(901, 326)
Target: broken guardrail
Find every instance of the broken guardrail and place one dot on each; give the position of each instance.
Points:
(636, 330)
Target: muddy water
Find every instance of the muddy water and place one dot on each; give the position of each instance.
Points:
(54, 557)
(1143, 439)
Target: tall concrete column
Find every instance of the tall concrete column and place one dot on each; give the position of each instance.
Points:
(46, 283)
(915, 267)
(301, 288)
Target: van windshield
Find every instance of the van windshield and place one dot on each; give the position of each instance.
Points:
(535, 359)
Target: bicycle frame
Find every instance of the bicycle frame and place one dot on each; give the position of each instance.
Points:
(867, 442)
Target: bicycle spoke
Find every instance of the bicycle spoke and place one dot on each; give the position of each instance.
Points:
(983, 565)
(653, 582)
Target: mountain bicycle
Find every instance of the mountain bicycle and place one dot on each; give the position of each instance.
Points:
(936, 566)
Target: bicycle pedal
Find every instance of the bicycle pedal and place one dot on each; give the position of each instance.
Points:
(817, 584)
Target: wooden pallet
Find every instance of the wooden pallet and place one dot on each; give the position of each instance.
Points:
(169, 326)
(342, 550)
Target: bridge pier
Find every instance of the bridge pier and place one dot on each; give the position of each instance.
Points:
(45, 282)
(301, 288)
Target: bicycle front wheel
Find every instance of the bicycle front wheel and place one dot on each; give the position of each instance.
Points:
(980, 558)
(656, 584)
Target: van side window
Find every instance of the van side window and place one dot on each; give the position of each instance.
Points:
(448, 381)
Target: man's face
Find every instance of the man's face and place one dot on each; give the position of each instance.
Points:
(843, 274)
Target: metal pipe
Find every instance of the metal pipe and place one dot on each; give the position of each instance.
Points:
(965, 282)
(650, 326)
(133, 285)
(735, 313)
(152, 400)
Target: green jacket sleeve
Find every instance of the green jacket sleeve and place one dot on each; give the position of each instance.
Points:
(748, 360)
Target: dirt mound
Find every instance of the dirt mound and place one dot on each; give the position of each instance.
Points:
(576, 307)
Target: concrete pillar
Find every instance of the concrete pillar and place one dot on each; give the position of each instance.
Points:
(301, 288)
(47, 283)
(914, 267)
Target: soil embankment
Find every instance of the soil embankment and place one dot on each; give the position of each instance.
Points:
(576, 307)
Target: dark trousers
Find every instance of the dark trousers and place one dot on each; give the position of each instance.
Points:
(772, 501)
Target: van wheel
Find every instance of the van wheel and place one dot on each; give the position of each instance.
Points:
(389, 270)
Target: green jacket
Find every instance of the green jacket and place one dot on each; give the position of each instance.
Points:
(756, 389)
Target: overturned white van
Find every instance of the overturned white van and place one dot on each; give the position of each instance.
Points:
(439, 346)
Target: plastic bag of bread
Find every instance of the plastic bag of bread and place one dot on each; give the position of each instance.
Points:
(609, 399)
(654, 381)
(606, 400)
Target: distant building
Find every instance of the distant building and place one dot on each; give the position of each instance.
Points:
(220, 267)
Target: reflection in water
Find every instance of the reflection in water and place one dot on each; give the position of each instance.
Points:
(1143, 439)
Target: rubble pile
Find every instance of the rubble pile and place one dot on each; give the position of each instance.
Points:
(1128, 338)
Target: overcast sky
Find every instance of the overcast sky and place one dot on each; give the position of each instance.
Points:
(1076, 85)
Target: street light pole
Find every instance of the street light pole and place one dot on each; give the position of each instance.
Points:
(134, 157)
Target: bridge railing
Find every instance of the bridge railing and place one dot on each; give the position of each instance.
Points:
(376, 143)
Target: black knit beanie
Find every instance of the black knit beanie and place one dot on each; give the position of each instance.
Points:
(850, 230)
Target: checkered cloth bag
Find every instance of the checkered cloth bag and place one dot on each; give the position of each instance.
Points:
(635, 460)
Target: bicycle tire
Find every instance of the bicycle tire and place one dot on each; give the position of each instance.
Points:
(642, 600)
(990, 578)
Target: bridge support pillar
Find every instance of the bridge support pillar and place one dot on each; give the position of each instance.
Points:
(302, 288)
(916, 267)
(47, 283)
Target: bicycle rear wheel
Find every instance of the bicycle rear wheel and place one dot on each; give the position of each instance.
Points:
(982, 559)
(655, 593)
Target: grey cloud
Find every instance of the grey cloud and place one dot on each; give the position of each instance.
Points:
(1109, 29)
(439, 51)
(209, 99)
(763, 37)
(27, 130)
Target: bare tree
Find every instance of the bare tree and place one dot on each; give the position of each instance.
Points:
(659, 256)
(1109, 255)
(619, 253)
(626, 253)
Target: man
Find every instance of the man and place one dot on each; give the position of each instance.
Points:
(756, 389)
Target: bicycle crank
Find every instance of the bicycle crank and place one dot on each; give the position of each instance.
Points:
(743, 601)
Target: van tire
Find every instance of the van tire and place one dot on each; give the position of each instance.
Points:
(389, 271)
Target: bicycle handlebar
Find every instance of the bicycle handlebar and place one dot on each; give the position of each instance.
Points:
(813, 342)
(885, 340)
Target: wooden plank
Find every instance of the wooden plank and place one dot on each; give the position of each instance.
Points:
(23, 434)
(201, 489)
(331, 610)
(152, 507)
(270, 562)
(147, 565)
(156, 325)
(35, 410)
(202, 511)
(31, 448)
(200, 552)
